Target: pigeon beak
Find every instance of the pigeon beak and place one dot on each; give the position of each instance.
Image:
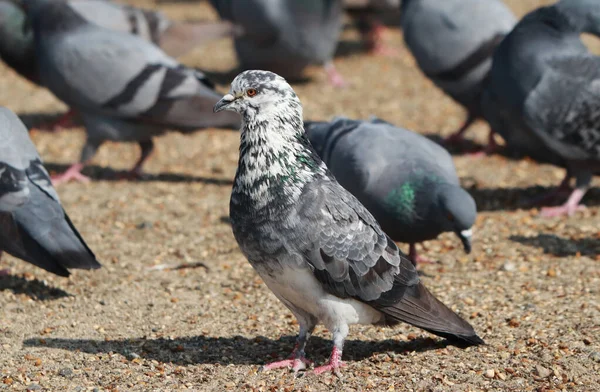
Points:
(465, 238)
(223, 103)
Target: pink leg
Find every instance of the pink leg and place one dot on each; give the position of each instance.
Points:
(136, 172)
(569, 208)
(65, 121)
(72, 173)
(491, 147)
(334, 76)
(376, 41)
(415, 258)
(334, 364)
(296, 361)
(458, 136)
(562, 190)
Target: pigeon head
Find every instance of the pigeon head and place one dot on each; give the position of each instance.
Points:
(583, 15)
(458, 212)
(260, 96)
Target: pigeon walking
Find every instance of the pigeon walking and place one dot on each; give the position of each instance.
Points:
(33, 225)
(544, 95)
(313, 243)
(405, 180)
(123, 87)
(285, 36)
(453, 42)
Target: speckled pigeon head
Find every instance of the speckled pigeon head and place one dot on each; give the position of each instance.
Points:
(260, 95)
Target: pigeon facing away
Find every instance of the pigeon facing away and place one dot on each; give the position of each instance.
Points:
(123, 87)
(17, 47)
(453, 42)
(33, 225)
(544, 93)
(313, 243)
(405, 180)
(285, 36)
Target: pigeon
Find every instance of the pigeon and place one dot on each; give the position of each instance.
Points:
(405, 180)
(543, 96)
(453, 42)
(123, 87)
(285, 36)
(368, 13)
(33, 225)
(175, 38)
(317, 248)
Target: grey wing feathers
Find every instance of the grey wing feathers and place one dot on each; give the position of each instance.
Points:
(564, 107)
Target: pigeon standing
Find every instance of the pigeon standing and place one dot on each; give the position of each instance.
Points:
(405, 180)
(453, 42)
(123, 87)
(313, 243)
(285, 36)
(544, 93)
(33, 225)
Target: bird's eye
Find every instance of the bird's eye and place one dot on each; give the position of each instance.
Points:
(251, 92)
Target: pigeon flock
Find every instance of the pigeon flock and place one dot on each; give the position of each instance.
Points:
(317, 205)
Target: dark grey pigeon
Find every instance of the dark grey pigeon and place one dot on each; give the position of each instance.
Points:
(285, 36)
(123, 87)
(544, 93)
(405, 180)
(33, 225)
(175, 38)
(453, 42)
(315, 245)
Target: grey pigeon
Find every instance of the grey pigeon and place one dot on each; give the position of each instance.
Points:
(175, 38)
(285, 36)
(453, 42)
(123, 87)
(368, 14)
(33, 225)
(544, 93)
(315, 245)
(405, 180)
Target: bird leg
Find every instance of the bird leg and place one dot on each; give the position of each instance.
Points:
(569, 208)
(334, 76)
(335, 360)
(489, 149)
(563, 188)
(376, 42)
(147, 146)
(72, 173)
(297, 359)
(415, 258)
(65, 121)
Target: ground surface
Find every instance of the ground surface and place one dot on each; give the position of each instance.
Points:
(531, 286)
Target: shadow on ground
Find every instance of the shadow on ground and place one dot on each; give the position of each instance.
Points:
(34, 289)
(558, 246)
(500, 199)
(237, 350)
(108, 174)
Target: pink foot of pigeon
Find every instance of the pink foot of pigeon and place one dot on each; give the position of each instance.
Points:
(334, 76)
(334, 364)
(415, 258)
(569, 208)
(377, 45)
(296, 361)
(4, 272)
(72, 173)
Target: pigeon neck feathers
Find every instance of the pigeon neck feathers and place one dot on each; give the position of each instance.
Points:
(52, 16)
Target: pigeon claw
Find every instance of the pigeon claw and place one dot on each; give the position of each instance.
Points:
(334, 364)
(296, 364)
(564, 210)
(72, 173)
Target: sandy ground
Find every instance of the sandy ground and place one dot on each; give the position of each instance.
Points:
(530, 287)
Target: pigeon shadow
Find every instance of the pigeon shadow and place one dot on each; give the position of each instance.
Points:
(237, 350)
(108, 174)
(34, 120)
(34, 289)
(468, 146)
(508, 199)
(562, 247)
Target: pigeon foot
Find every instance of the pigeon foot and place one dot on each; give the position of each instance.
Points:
(569, 208)
(334, 76)
(72, 173)
(296, 361)
(334, 364)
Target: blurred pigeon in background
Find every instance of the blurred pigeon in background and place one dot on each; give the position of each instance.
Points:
(543, 96)
(314, 244)
(453, 42)
(405, 180)
(123, 87)
(33, 225)
(368, 14)
(285, 36)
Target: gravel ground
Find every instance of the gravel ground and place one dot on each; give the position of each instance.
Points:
(530, 287)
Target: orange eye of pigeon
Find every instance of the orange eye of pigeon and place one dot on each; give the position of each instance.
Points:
(251, 92)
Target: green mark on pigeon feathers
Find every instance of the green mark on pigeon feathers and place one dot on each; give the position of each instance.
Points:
(401, 200)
